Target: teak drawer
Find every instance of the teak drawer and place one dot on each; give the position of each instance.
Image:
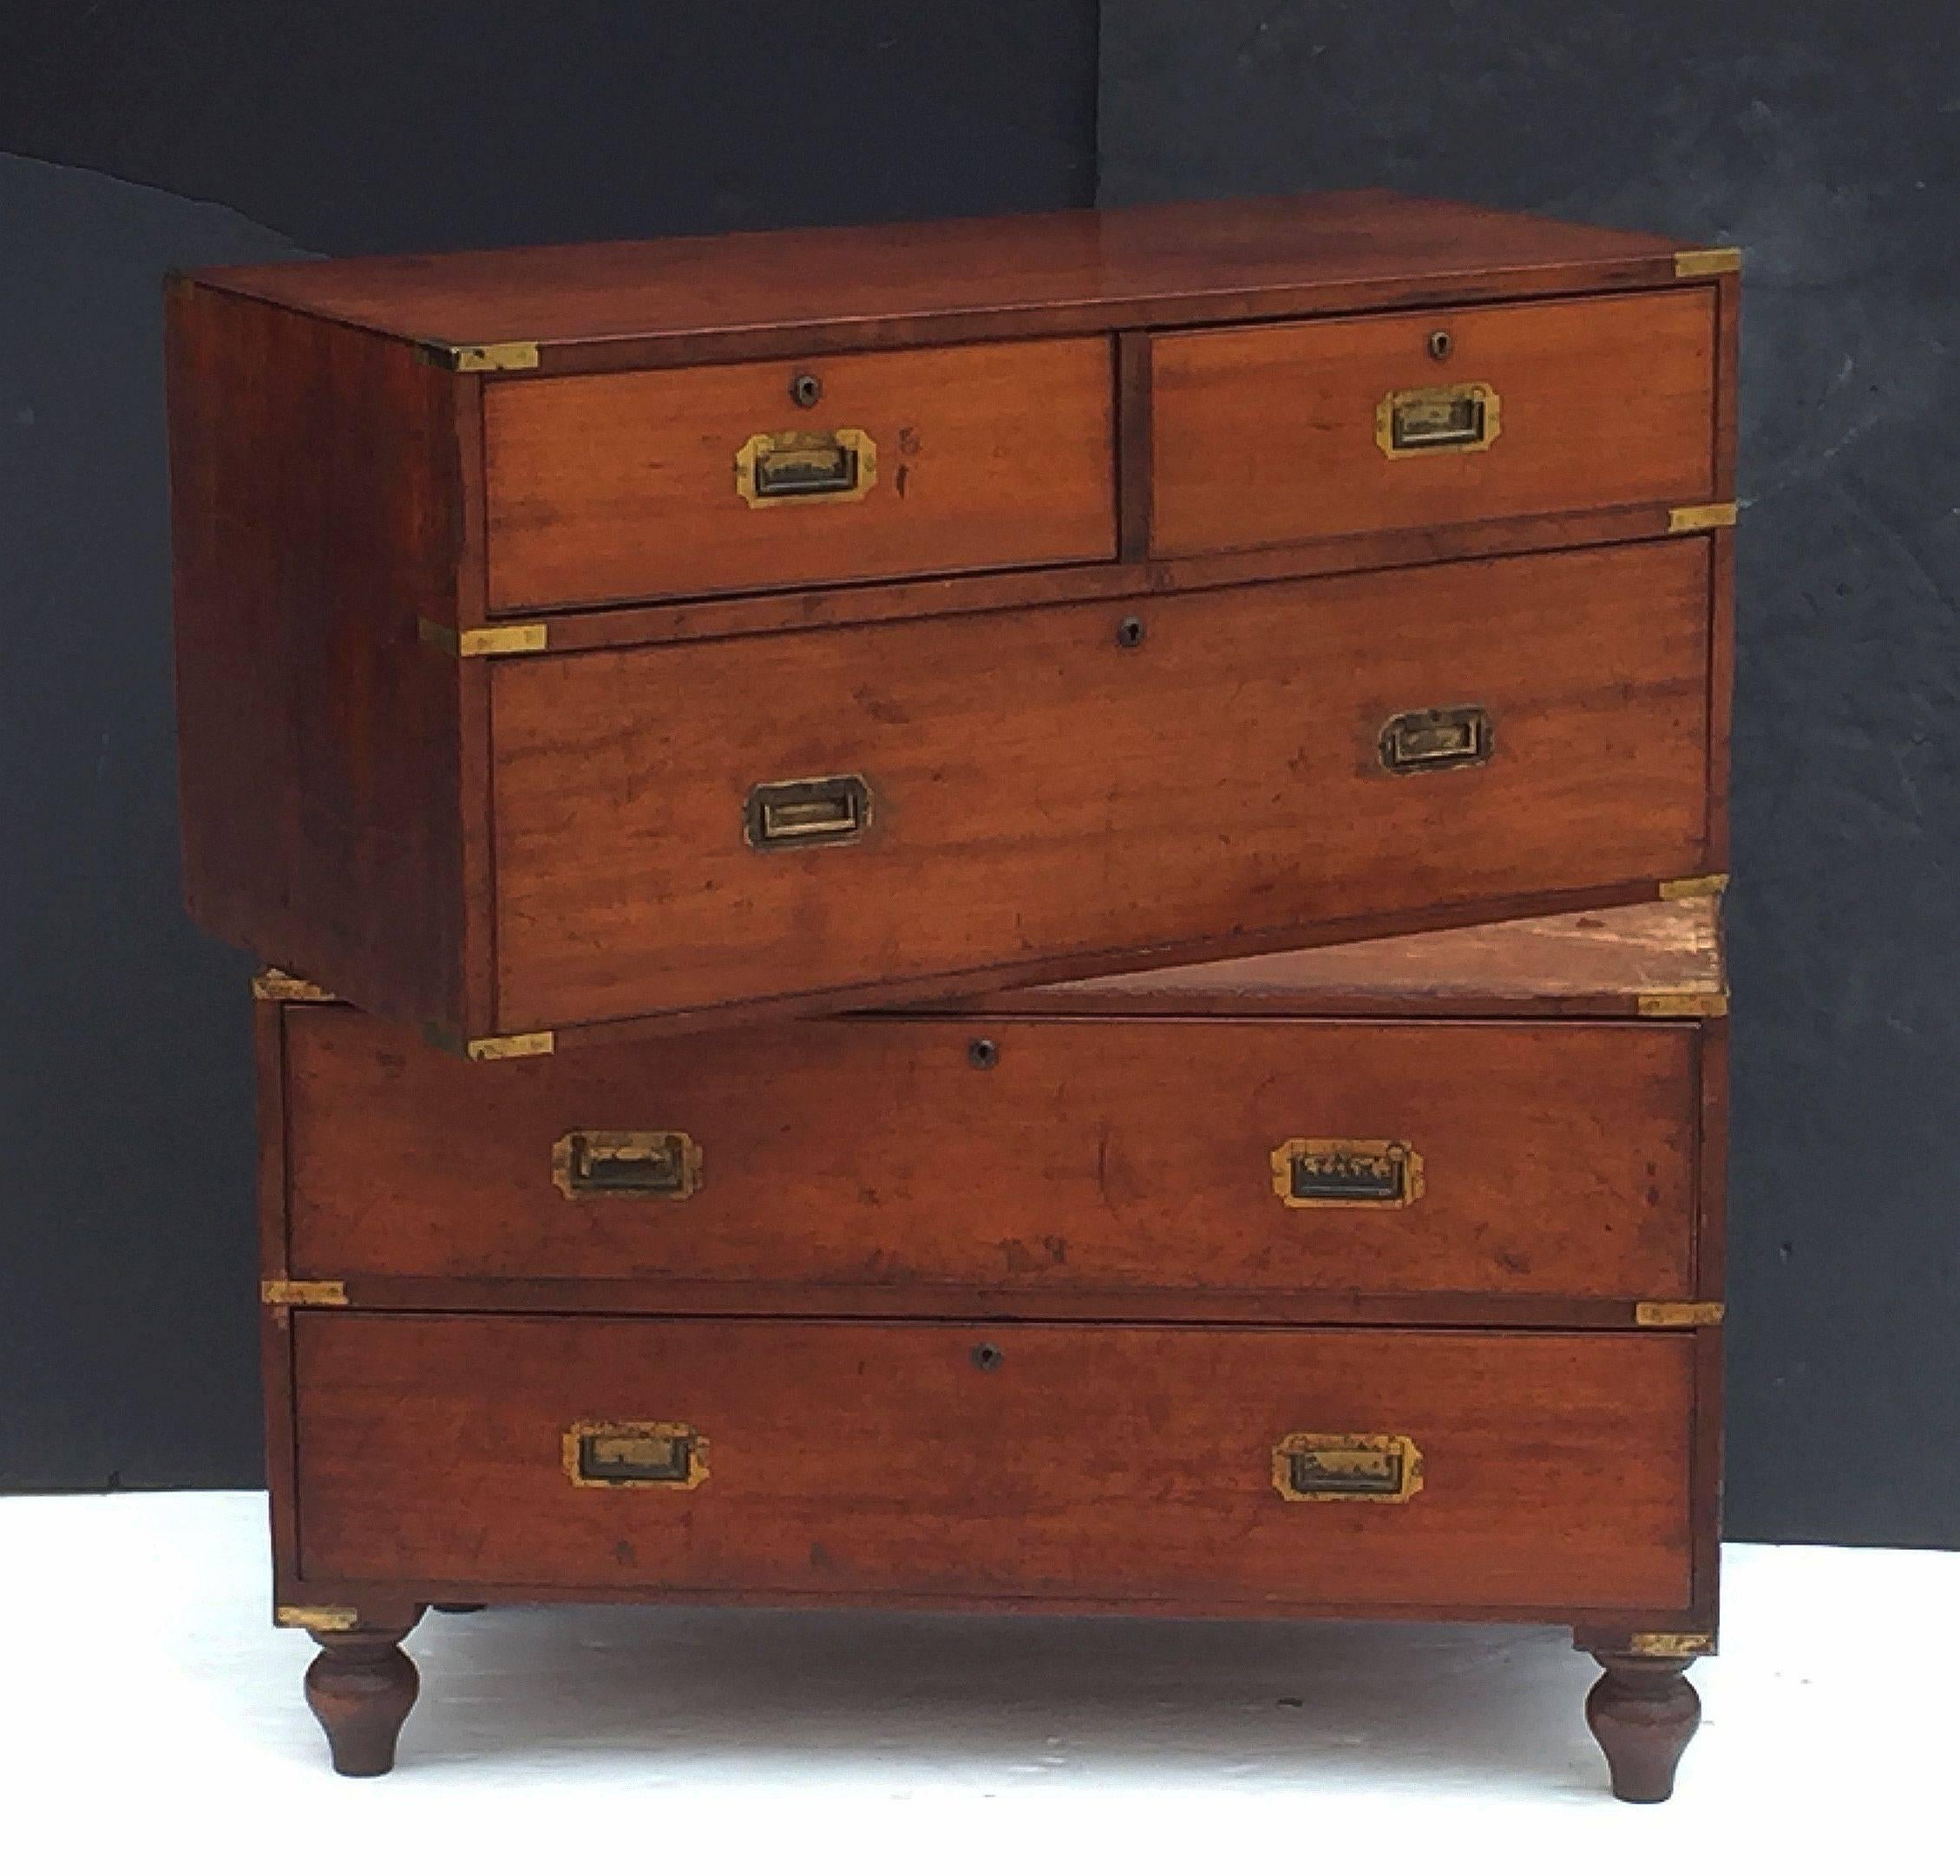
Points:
(1199, 1469)
(861, 466)
(1267, 433)
(1138, 1164)
(1022, 793)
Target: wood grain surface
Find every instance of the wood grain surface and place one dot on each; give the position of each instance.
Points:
(1128, 1466)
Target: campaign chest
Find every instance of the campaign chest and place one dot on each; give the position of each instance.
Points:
(584, 644)
(1377, 1280)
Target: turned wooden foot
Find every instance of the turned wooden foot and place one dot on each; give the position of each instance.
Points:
(1643, 1711)
(361, 1686)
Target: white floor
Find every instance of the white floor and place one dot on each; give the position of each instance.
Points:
(151, 1719)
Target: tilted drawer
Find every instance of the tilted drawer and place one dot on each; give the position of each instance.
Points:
(843, 812)
(865, 466)
(882, 1164)
(1267, 433)
(1200, 1469)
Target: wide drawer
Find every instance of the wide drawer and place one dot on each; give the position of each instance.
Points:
(1276, 433)
(863, 466)
(1198, 1468)
(886, 1164)
(851, 811)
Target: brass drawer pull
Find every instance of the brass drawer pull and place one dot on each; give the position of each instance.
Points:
(587, 1165)
(805, 466)
(1438, 420)
(831, 808)
(1380, 1174)
(1347, 1468)
(635, 1453)
(1420, 740)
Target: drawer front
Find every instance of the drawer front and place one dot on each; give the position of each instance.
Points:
(939, 796)
(1205, 1468)
(721, 478)
(872, 1162)
(1267, 433)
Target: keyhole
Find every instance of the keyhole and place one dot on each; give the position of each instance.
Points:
(805, 388)
(983, 1053)
(987, 1356)
(1130, 633)
(1441, 345)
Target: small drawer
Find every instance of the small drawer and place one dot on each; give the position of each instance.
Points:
(645, 485)
(1263, 434)
(882, 1164)
(852, 812)
(1202, 1470)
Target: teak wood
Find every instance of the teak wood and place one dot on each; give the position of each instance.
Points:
(854, 1368)
(485, 645)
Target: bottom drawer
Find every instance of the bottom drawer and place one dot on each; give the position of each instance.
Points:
(1195, 1469)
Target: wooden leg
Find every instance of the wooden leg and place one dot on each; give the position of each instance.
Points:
(361, 1686)
(1643, 1711)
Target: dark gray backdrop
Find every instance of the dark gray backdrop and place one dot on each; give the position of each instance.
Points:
(1826, 139)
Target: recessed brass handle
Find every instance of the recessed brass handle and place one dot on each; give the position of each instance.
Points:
(1418, 740)
(591, 1164)
(823, 810)
(1347, 1468)
(635, 1453)
(1438, 420)
(1380, 1174)
(805, 466)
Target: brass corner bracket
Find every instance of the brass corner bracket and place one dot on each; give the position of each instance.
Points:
(1679, 1003)
(322, 1620)
(284, 1292)
(1701, 519)
(1698, 263)
(513, 355)
(1671, 1646)
(1697, 886)
(1679, 1314)
(271, 986)
(507, 1048)
(486, 641)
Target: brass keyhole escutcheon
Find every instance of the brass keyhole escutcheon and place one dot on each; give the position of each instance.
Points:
(1130, 632)
(805, 388)
(987, 1356)
(1441, 344)
(983, 1053)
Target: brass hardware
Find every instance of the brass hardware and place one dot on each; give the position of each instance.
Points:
(1130, 633)
(506, 1048)
(1678, 1315)
(1440, 345)
(1697, 520)
(320, 1621)
(487, 641)
(1696, 263)
(824, 810)
(987, 1356)
(805, 388)
(1667, 1003)
(1347, 1468)
(1380, 1174)
(587, 1164)
(1420, 740)
(278, 987)
(983, 1053)
(513, 355)
(635, 1454)
(1700, 886)
(286, 1292)
(804, 466)
(1438, 420)
(1672, 1645)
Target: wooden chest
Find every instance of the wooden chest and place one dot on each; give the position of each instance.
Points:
(583, 642)
(1380, 1279)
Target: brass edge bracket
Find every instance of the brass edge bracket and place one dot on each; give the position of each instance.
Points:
(1698, 263)
(1698, 886)
(1694, 520)
(284, 1292)
(507, 1048)
(1671, 1646)
(280, 987)
(513, 355)
(486, 641)
(1679, 1314)
(1677, 1003)
(321, 1621)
